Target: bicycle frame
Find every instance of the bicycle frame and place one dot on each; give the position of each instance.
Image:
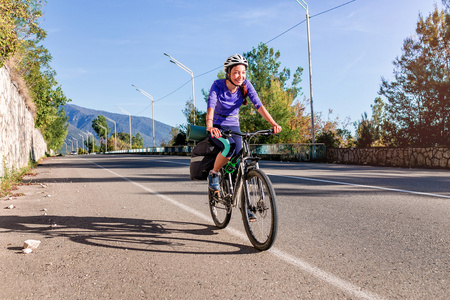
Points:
(247, 162)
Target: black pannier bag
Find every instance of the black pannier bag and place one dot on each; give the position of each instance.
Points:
(202, 159)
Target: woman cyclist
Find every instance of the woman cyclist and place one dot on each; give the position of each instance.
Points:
(225, 98)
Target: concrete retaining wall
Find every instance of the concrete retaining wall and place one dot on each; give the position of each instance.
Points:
(20, 141)
(433, 157)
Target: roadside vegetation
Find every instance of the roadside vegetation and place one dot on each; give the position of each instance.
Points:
(111, 143)
(411, 110)
(22, 51)
(12, 178)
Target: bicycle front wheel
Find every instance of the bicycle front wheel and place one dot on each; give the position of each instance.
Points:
(259, 210)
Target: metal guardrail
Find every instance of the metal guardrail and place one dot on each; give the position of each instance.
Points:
(295, 152)
(157, 150)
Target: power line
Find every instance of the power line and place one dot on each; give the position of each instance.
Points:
(281, 34)
(321, 13)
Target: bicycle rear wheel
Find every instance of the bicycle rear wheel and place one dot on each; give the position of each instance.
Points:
(260, 203)
(220, 203)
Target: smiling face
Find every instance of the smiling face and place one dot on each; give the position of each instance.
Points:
(238, 74)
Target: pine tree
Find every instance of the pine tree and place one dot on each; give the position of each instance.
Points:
(418, 100)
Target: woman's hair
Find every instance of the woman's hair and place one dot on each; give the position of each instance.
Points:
(244, 92)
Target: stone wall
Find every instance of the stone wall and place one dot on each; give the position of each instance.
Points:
(20, 141)
(433, 157)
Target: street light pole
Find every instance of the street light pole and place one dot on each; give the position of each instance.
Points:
(106, 130)
(115, 132)
(174, 61)
(82, 141)
(77, 143)
(305, 7)
(153, 109)
(87, 141)
(130, 123)
(93, 142)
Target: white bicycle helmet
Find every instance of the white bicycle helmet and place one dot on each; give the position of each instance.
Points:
(234, 60)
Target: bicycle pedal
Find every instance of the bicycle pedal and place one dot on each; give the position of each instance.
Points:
(216, 195)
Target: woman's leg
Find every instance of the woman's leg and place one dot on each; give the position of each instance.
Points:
(220, 162)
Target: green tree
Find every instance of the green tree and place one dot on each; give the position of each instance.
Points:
(56, 131)
(264, 67)
(380, 123)
(364, 132)
(18, 22)
(100, 127)
(189, 113)
(33, 65)
(20, 36)
(418, 99)
(177, 137)
(90, 144)
(277, 96)
(329, 138)
(124, 141)
(137, 141)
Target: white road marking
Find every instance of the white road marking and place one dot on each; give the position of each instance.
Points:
(342, 183)
(363, 186)
(290, 259)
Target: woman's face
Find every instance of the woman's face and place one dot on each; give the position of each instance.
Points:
(238, 74)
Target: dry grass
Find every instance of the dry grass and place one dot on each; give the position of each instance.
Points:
(20, 83)
(12, 179)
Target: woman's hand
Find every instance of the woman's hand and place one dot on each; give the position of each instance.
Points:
(215, 132)
(276, 128)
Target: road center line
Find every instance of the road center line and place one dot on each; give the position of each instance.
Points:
(284, 256)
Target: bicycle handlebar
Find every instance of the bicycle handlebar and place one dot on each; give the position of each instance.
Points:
(265, 132)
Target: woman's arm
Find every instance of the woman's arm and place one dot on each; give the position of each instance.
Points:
(209, 123)
(265, 114)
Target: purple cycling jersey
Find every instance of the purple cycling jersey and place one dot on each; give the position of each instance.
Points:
(226, 104)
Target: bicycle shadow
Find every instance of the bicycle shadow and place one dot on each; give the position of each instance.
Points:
(162, 236)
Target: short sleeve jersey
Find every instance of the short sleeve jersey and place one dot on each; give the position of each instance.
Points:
(226, 104)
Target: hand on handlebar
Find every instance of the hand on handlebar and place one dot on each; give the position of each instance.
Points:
(276, 129)
(215, 132)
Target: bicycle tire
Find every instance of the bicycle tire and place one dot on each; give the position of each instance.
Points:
(220, 204)
(262, 203)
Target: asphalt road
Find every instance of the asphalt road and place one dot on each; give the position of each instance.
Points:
(136, 227)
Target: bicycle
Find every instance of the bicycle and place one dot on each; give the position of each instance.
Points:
(241, 179)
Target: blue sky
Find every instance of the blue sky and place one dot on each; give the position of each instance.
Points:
(101, 47)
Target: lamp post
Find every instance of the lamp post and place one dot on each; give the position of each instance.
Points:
(106, 130)
(82, 141)
(93, 141)
(305, 7)
(77, 144)
(153, 110)
(115, 132)
(87, 140)
(174, 61)
(130, 123)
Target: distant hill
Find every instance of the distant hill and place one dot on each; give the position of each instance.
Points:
(80, 120)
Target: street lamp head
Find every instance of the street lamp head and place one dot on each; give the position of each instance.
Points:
(166, 54)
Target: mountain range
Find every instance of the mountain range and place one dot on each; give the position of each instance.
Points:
(80, 122)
